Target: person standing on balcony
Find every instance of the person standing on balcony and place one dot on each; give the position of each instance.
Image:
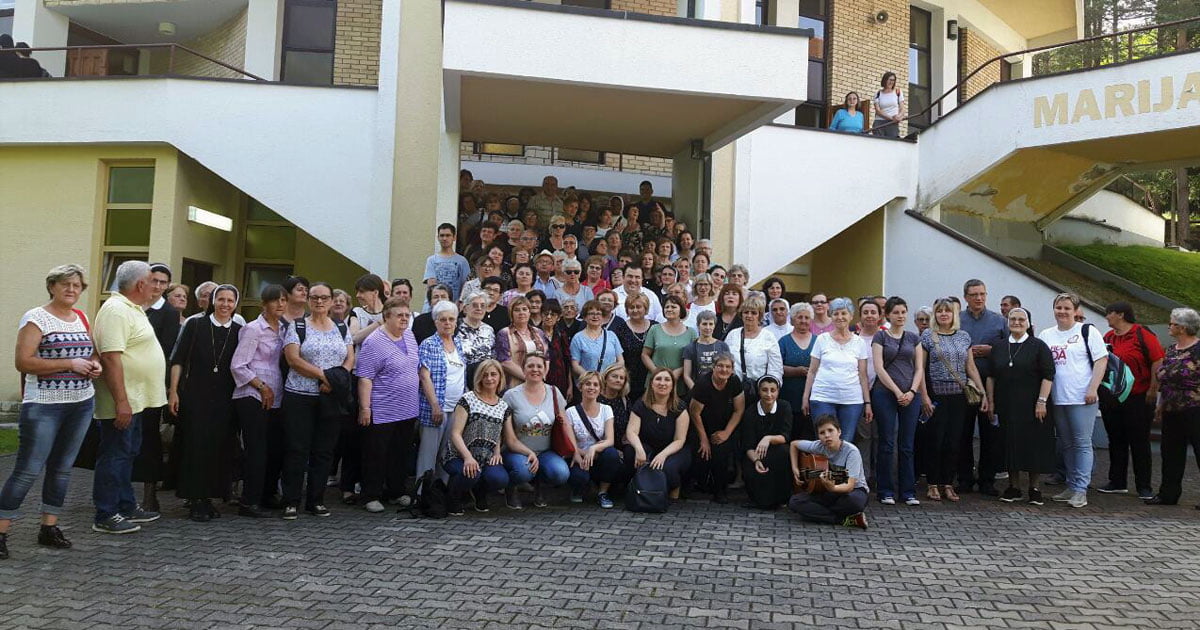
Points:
(547, 202)
(848, 118)
(1178, 404)
(446, 267)
(889, 107)
(986, 328)
(1128, 423)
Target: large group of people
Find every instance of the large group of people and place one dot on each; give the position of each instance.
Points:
(572, 356)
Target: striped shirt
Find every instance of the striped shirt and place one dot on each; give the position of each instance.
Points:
(391, 365)
(60, 340)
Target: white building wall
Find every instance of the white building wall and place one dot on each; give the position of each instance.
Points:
(1133, 223)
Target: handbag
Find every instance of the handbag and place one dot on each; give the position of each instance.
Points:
(970, 390)
(560, 439)
(647, 491)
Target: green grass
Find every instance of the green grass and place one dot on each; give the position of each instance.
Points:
(1096, 292)
(1170, 273)
(8, 441)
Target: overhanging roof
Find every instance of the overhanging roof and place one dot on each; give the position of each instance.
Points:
(137, 22)
(1033, 19)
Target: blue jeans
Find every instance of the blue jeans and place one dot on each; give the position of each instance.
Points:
(490, 477)
(112, 485)
(895, 423)
(50, 436)
(552, 469)
(1075, 424)
(847, 416)
(606, 466)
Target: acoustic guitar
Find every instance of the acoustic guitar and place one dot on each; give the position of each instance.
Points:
(813, 466)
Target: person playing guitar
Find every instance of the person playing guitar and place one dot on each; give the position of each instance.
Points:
(838, 494)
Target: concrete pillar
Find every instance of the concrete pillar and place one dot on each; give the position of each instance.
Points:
(42, 28)
(687, 189)
(264, 38)
(784, 13)
(418, 135)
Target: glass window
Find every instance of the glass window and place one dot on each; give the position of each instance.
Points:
(272, 242)
(762, 12)
(920, 81)
(810, 116)
(308, 68)
(131, 184)
(814, 8)
(497, 148)
(816, 45)
(918, 67)
(259, 276)
(310, 25)
(816, 81)
(123, 227)
(918, 28)
(580, 155)
(112, 260)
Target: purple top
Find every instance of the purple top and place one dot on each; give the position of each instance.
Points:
(392, 367)
(257, 355)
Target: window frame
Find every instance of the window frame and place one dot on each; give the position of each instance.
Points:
(284, 48)
(481, 148)
(109, 254)
(914, 123)
(819, 105)
(250, 302)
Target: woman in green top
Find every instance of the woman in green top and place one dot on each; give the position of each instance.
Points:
(665, 342)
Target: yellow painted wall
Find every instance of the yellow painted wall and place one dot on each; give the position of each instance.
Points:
(851, 263)
(200, 187)
(317, 262)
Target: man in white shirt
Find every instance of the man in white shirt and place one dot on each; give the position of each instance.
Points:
(633, 286)
(547, 201)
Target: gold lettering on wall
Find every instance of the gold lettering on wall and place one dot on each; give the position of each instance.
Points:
(1118, 100)
(1191, 90)
(1118, 96)
(1050, 113)
(1085, 105)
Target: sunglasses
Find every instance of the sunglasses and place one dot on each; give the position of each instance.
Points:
(571, 271)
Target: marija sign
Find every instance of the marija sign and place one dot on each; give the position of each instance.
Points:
(1119, 99)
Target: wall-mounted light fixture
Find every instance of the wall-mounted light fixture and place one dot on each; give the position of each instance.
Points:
(166, 28)
(952, 29)
(210, 219)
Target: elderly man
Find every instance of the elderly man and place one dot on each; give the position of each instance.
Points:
(985, 327)
(134, 366)
(547, 202)
(545, 280)
(633, 286)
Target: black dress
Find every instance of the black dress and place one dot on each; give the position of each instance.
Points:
(1028, 443)
(206, 386)
(631, 347)
(774, 487)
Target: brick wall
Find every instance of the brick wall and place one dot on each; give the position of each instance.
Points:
(226, 43)
(860, 51)
(356, 51)
(974, 51)
(642, 164)
(653, 7)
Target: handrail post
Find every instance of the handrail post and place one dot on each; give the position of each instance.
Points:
(171, 61)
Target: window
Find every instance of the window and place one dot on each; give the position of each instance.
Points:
(579, 155)
(6, 21)
(762, 12)
(127, 212)
(814, 14)
(308, 39)
(920, 83)
(496, 148)
(269, 249)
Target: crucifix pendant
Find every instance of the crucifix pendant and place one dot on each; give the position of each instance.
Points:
(215, 368)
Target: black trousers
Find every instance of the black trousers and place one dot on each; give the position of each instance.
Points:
(1179, 429)
(262, 445)
(944, 438)
(349, 454)
(828, 507)
(774, 487)
(310, 441)
(386, 451)
(991, 448)
(1128, 427)
(718, 468)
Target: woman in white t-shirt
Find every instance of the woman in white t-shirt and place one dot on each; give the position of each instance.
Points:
(837, 376)
(596, 459)
(1080, 359)
(889, 110)
(55, 353)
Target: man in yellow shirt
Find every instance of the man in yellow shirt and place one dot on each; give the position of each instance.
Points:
(133, 383)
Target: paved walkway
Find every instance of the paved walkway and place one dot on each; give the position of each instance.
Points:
(977, 564)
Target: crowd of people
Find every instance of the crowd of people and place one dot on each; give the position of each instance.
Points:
(571, 347)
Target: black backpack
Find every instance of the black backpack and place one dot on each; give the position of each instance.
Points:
(647, 491)
(431, 497)
(301, 332)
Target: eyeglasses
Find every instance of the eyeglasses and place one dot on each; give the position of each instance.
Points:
(819, 302)
(558, 226)
(571, 271)
(320, 298)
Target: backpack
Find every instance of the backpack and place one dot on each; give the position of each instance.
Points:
(647, 491)
(1118, 378)
(431, 497)
(301, 332)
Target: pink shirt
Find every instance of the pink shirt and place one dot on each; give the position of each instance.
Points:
(257, 355)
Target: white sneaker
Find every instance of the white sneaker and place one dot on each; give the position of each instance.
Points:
(1078, 500)
(374, 507)
(912, 501)
(1064, 496)
(1002, 475)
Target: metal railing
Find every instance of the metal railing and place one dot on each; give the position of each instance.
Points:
(176, 53)
(1093, 52)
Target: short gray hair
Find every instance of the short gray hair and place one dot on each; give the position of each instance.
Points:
(62, 273)
(443, 307)
(476, 295)
(1186, 318)
(130, 272)
(706, 316)
(740, 267)
(205, 288)
(801, 307)
(841, 304)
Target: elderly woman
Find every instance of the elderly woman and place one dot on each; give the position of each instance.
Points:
(476, 338)
(258, 399)
(657, 432)
(945, 350)
(1080, 360)
(755, 350)
(1128, 423)
(340, 311)
(558, 349)
(571, 286)
(1178, 403)
(388, 373)
(779, 318)
(922, 319)
(895, 400)
(201, 397)
(739, 276)
(763, 443)
(535, 404)
(315, 347)
(795, 349)
(1018, 387)
(597, 267)
(596, 459)
(665, 342)
(177, 297)
(594, 348)
(473, 458)
(523, 276)
(520, 338)
(716, 407)
(703, 299)
(700, 355)
(443, 375)
(55, 354)
(837, 374)
(729, 303)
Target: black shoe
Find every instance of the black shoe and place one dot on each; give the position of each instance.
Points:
(212, 509)
(141, 515)
(1158, 500)
(317, 510)
(988, 490)
(720, 498)
(3, 546)
(52, 536)
(199, 513)
(290, 513)
(481, 501)
(1035, 497)
(252, 511)
(1010, 495)
(454, 506)
(1112, 488)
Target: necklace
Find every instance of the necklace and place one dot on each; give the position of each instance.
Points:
(212, 335)
(1012, 355)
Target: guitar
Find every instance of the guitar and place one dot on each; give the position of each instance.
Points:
(812, 467)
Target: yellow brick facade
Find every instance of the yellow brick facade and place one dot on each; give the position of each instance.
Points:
(653, 7)
(356, 51)
(974, 51)
(861, 50)
(642, 164)
(225, 43)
